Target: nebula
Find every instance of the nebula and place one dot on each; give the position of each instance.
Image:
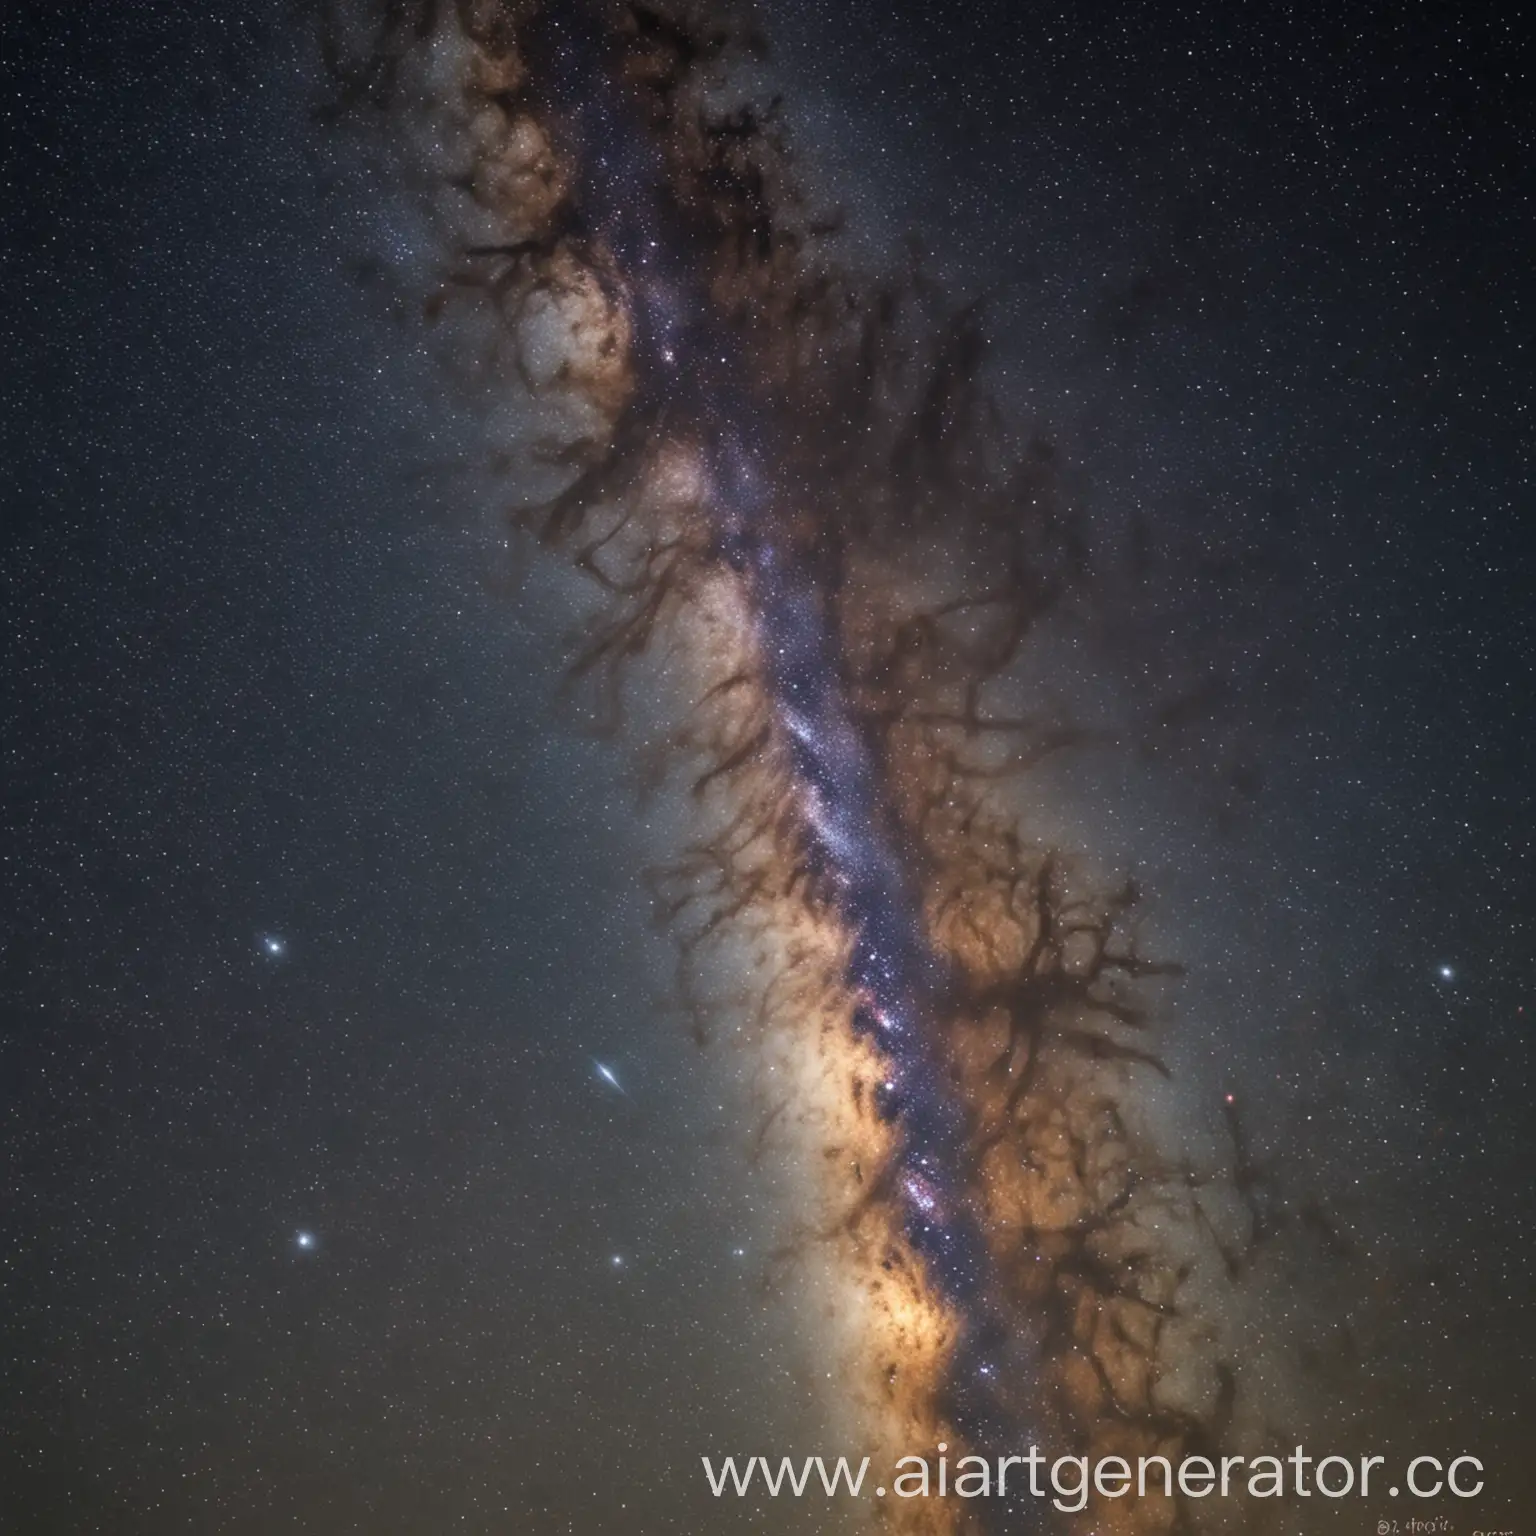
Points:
(791, 479)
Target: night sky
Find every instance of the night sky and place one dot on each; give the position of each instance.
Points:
(359, 1170)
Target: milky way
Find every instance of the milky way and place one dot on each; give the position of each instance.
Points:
(799, 477)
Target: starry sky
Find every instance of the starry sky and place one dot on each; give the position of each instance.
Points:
(359, 1172)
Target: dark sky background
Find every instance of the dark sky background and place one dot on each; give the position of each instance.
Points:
(1261, 273)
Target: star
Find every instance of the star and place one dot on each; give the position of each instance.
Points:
(274, 946)
(305, 1241)
(1447, 973)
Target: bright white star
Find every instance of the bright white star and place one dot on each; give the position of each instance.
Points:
(273, 945)
(1447, 973)
(305, 1240)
